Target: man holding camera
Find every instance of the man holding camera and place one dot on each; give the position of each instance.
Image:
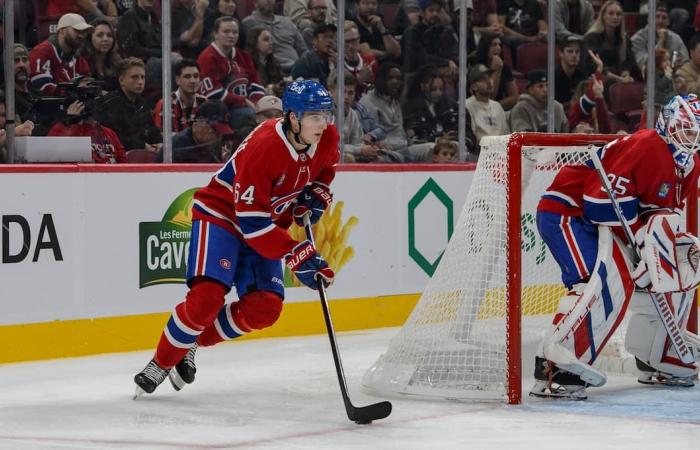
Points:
(56, 60)
(79, 121)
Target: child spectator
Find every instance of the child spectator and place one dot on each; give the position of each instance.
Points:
(445, 151)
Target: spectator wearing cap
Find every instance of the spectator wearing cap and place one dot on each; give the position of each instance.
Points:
(90, 9)
(572, 18)
(568, 74)
(25, 94)
(204, 141)
(139, 31)
(487, 116)
(308, 14)
(363, 66)
(268, 107)
(375, 38)
(307, 19)
(530, 113)
(185, 100)
(522, 21)
(430, 42)
(56, 60)
(287, 41)
(665, 38)
(316, 64)
(125, 110)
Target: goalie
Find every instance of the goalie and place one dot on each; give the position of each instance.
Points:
(650, 174)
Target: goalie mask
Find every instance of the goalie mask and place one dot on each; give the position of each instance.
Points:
(679, 126)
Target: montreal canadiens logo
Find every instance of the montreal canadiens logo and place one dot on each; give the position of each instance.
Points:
(225, 263)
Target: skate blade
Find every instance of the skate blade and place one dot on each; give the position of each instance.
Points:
(139, 392)
(175, 379)
(558, 397)
(673, 384)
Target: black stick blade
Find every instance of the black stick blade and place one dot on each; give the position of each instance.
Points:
(366, 414)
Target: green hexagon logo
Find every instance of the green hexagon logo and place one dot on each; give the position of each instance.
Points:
(429, 188)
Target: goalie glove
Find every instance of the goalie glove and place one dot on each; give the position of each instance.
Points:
(312, 202)
(308, 265)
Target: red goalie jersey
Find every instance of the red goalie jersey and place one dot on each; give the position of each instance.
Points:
(642, 172)
(252, 194)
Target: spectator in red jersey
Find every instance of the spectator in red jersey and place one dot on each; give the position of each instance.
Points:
(259, 45)
(100, 50)
(588, 106)
(92, 9)
(125, 110)
(56, 59)
(185, 100)
(79, 121)
(229, 74)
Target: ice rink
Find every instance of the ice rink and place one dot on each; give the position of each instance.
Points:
(283, 394)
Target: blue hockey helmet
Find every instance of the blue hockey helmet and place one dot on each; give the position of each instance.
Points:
(306, 96)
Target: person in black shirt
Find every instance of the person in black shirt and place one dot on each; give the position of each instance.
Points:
(568, 73)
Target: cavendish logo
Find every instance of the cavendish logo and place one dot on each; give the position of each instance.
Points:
(664, 190)
(164, 246)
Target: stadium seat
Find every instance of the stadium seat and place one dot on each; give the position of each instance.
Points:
(388, 12)
(141, 156)
(244, 8)
(531, 56)
(521, 83)
(626, 97)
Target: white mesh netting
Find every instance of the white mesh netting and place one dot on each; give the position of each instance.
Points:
(454, 343)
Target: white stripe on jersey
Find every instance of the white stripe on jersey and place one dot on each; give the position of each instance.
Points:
(265, 230)
(253, 214)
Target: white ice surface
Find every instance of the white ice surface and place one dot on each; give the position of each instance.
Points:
(283, 393)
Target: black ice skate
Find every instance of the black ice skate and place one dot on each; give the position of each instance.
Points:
(149, 379)
(649, 375)
(184, 370)
(554, 383)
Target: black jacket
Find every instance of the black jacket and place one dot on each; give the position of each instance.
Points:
(132, 121)
(137, 36)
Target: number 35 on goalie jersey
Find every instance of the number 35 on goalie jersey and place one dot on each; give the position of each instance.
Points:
(252, 193)
(642, 173)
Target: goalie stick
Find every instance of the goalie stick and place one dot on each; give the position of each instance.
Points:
(362, 414)
(659, 301)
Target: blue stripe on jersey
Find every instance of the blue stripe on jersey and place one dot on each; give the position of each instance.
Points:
(226, 173)
(253, 224)
(180, 335)
(605, 213)
(222, 318)
(605, 291)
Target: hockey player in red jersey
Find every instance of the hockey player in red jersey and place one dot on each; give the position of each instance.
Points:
(651, 173)
(280, 173)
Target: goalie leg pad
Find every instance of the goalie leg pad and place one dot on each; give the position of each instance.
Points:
(576, 339)
(648, 341)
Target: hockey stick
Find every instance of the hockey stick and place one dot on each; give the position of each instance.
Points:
(362, 414)
(659, 301)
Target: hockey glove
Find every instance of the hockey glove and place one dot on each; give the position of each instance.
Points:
(308, 265)
(312, 201)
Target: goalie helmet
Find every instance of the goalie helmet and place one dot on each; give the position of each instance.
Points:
(679, 125)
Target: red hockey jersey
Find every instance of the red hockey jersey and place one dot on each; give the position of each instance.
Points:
(48, 67)
(642, 172)
(106, 146)
(229, 78)
(252, 194)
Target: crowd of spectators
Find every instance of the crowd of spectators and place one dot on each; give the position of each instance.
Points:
(232, 59)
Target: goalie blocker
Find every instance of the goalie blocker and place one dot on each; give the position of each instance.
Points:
(589, 315)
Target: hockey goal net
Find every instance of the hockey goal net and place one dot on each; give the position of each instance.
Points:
(476, 326)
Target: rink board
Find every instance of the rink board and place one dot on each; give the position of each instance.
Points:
(93, 257)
